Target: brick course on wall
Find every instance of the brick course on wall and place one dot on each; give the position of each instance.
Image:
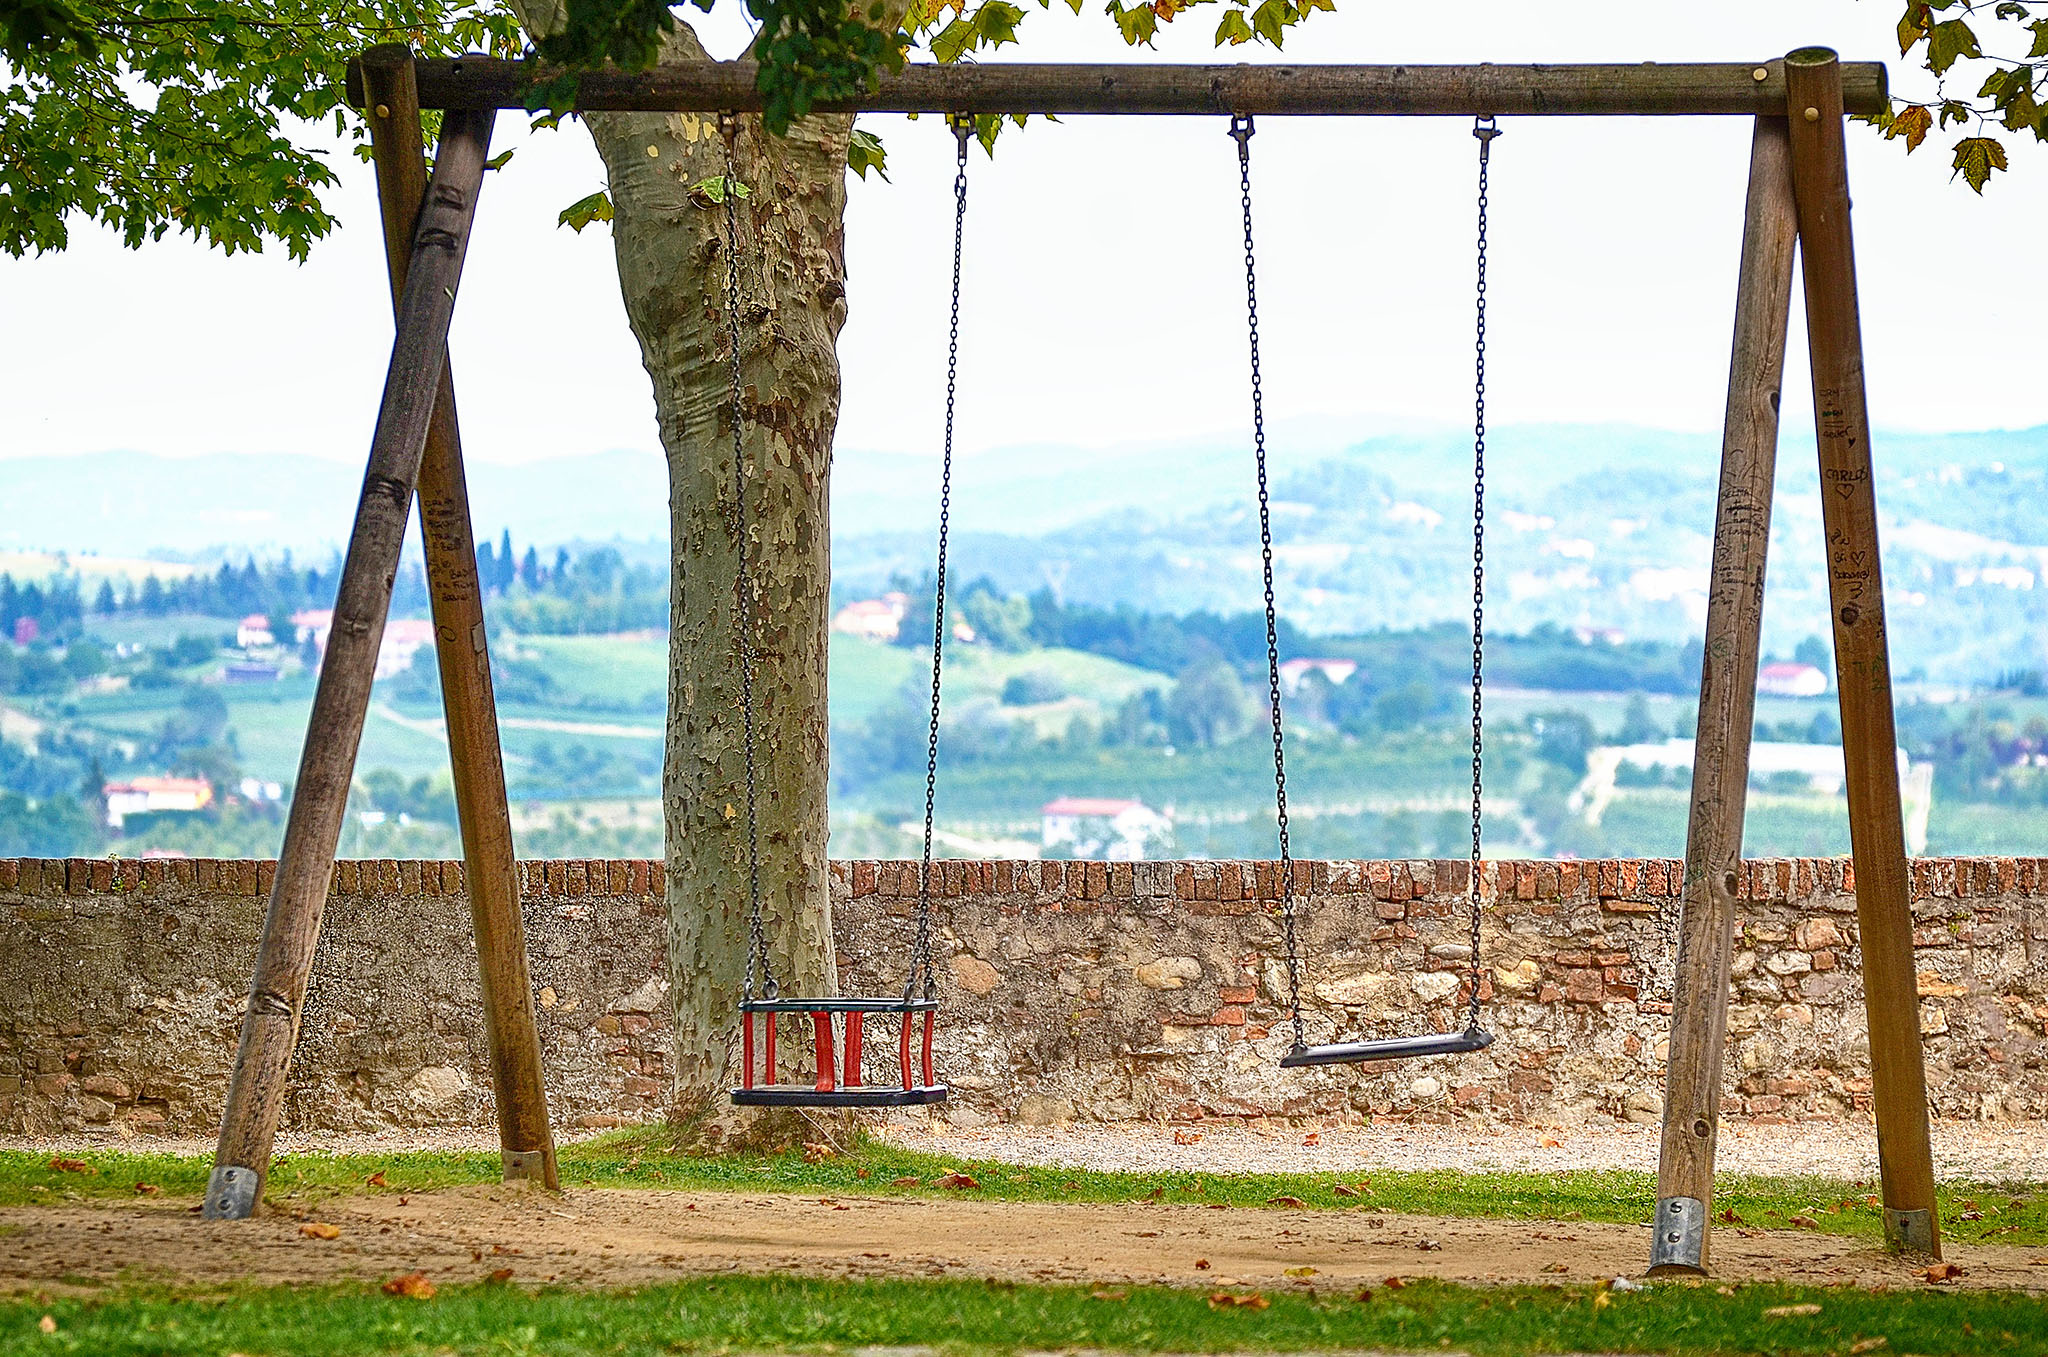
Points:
(1073, 990)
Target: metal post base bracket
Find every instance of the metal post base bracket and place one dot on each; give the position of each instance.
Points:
(1679, 1238)
(525, 1166)
(230, 1194)
(1910, 1231)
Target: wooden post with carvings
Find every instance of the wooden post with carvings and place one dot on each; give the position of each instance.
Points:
(1848, 499)
(1720, 770)
(334, 729)
(490, 868)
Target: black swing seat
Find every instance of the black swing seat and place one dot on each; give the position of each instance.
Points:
(1473, 1038)
(839, 1080)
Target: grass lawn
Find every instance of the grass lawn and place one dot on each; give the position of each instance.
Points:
(2011, 1214)
(760, 1314)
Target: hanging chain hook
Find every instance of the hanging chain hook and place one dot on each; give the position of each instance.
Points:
(921, 953)
(743, 621)
(1242, 130)
(1485, 131)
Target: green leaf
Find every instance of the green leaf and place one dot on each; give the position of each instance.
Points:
(1912, 27)
(579, 214)
(954, 41)
(500, 160)
(864, 152)
(1977, 158)
(713, 188)
(997, 22)
(1137, 23)
(1948, 43)
(2039, 28)
(1270, 21)
(1232, 29)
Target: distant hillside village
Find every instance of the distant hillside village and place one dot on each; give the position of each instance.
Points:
(158, 708)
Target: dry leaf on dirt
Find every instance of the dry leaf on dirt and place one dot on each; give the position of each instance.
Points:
(413, 1286)
(320, 1229)
(1187, 1137)
(1109, 1295)
(956, 1180)
(1283, 1201)
(1226, 1300)
(1803, 1223)
(1556, 1267)
(1942, 1272)
(907, 1180)
(1790, 1311)
(71, 1166)
(1431, 1246)
(1301, 1272)
(1312, 1138)
(1202, 1264)
(1552, 1143)
(147, 1189)
(1863, 1345)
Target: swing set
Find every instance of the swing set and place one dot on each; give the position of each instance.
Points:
(1797, 196)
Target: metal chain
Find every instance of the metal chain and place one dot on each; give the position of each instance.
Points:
(743, 624)
(1242, 131)
(921, 955)
(1485, 131)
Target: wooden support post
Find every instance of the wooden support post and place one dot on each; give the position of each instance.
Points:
(291, 929)
(1848, 498)
(1720, 766)
(490, 869)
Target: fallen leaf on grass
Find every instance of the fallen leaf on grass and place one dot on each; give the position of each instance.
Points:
(1601, 1300)
(320, 1229)
(1363, 1296)
(71, 1166)
(1283, 1201)
(816, 1152)
(375, 1180)
(1202, 1264)
(1803, 1223)
(1359, 1189)
(48, 1324)
(1187, 1137)
(1727, 1216)
(1394, 1283)
(500, 1276)
(956, 1180)
(1942, 1272)
(147, 1189)
(1790, 1311)
(1109, 1295)
(1301, 1272)
(412, 1285)
(907, 1180)
(1226, 1300)
(860, 1173)
(1863, 1345)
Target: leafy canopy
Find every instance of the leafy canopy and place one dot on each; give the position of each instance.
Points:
(199, 115)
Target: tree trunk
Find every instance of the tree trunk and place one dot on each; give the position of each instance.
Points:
(672, 266)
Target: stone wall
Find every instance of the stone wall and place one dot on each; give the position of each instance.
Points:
(1089, 990)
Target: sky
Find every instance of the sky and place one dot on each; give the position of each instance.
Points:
(1104, 292)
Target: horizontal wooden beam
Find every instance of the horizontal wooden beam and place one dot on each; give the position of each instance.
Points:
(1647, 89)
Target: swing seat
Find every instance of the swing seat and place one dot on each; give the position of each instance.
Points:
(1473, 1038)
(839, 1080)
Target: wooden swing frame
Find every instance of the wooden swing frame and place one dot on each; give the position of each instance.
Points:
(1797, 194)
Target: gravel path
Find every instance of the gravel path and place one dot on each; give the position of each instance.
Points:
(1972, 1151)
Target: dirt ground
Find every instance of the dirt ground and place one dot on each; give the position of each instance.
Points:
(616, 1237)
